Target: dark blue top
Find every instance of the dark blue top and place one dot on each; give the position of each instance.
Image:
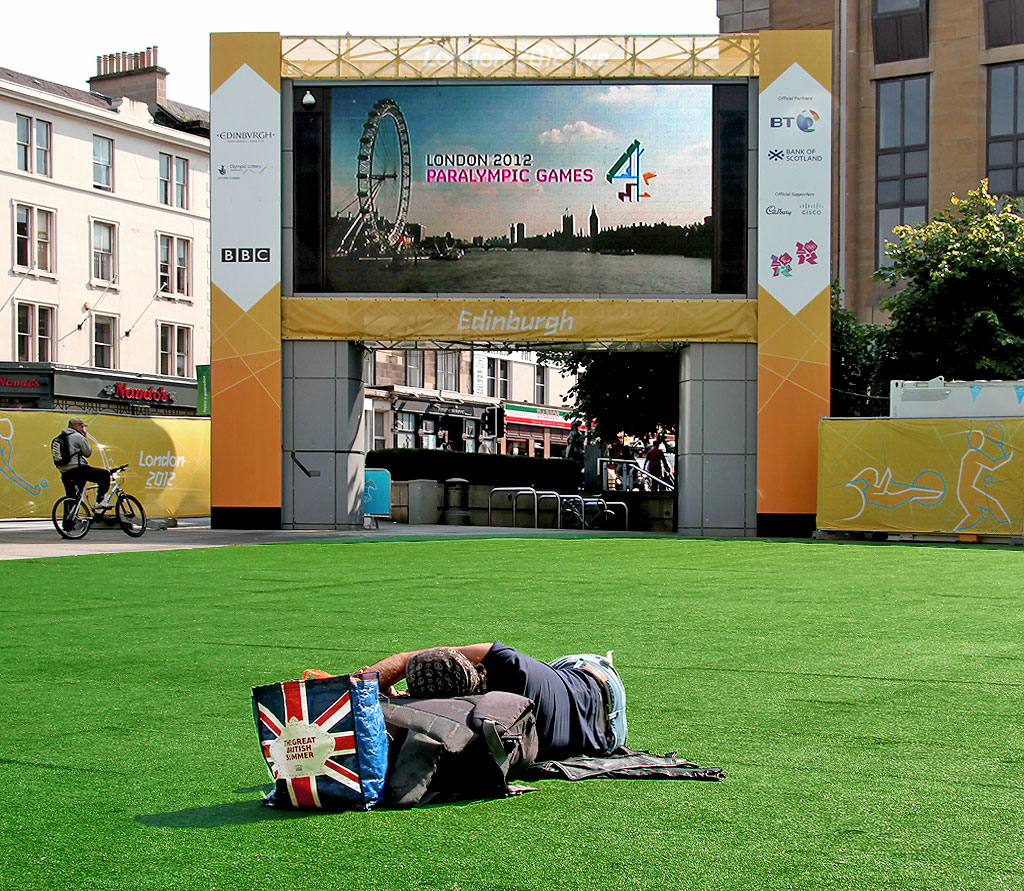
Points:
(568, 702)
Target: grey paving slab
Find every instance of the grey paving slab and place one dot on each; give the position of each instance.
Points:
(28, 539)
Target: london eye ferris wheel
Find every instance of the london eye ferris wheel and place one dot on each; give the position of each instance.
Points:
(383, 175)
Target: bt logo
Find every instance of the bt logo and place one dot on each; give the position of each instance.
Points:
(805, 121)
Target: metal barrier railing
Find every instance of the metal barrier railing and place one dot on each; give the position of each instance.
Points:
(628, 470)
(578, 505)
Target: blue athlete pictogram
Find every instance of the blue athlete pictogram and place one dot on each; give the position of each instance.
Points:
(6, 467)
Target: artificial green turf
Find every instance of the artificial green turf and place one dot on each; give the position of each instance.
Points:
(865, 702)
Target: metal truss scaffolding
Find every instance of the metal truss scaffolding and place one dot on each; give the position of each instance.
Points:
(362, 58)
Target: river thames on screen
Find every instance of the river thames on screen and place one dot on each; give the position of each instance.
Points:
(525, 272)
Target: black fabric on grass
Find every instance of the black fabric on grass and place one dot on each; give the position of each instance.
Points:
(622, 764)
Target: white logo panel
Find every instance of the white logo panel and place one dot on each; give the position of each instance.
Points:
(794, 188)
(245, 174)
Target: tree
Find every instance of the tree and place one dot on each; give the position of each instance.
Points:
(854, 365)
(959, 311)
(633, 393)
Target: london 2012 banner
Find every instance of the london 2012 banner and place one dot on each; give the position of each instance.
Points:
(946, 475)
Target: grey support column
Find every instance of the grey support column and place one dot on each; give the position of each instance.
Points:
(322, 417)
(716, 458)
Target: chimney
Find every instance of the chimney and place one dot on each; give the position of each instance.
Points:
(133, 75)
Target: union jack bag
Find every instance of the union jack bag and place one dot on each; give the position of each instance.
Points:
(324, 741)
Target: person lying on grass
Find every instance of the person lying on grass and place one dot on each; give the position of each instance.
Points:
(579, 700)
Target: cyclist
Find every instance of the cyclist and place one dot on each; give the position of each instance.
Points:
(77, 472)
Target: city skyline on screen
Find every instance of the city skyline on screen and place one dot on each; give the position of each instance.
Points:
(487, 157)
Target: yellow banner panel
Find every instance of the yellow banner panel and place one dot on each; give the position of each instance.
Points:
(793, 264)
(922, 475)
(168, 458)
(261, 51)
(513, 320)
(246, 396)
(811, 49)
(792, 394)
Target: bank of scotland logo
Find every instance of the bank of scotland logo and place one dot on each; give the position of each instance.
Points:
(775, 155)
(806, 120)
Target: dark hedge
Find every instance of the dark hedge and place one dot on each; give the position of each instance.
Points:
(478, 469)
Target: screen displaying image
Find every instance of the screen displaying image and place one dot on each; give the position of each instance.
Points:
(519, 189)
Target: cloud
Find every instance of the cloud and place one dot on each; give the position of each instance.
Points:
(581, 131)
(629, 95)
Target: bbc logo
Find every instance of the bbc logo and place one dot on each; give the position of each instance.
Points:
(245, 255)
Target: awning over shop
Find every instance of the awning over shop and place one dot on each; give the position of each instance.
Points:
(537, 416)
(440, 408)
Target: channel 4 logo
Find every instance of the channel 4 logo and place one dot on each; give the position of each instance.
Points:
(245, 255)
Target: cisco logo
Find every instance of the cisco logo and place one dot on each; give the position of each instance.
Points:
(805, 121)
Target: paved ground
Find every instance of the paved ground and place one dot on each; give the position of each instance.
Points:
(24, 539)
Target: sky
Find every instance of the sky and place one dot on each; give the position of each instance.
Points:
(580, 130)
(64, 44)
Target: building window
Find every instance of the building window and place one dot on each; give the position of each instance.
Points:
(24, 143)
(901, 172)
(104, 341)
(1003, 25)
(497, 378)
(173, 181)
(405, 430)
(428, 434)
(900, 29)
(174, 265)
(34, 334)
(503, 378)
(33, 239)
(414, 368)
(33, 145)
(448, 370)
(180, 182)
(379, 438)
(175, 350)
(103, 163)
(1005, 148)
(540, 387)
(166, 178)
(104, 252)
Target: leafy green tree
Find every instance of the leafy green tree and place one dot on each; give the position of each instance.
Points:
(959, 310)
(633, 393)
(854, 365)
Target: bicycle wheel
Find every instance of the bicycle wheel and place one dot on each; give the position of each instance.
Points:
(130, 515)
(71, 519)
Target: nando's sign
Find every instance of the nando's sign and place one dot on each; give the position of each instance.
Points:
(121, 390)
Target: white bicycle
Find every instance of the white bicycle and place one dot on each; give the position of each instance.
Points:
(73, 516)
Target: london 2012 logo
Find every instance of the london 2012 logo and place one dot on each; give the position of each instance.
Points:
(805, 121)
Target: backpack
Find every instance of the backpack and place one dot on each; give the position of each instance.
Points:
(451, 749)
(60, 448)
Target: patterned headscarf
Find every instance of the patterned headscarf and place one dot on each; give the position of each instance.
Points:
(442, 672)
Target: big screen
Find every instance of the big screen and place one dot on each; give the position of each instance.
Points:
(519, 189)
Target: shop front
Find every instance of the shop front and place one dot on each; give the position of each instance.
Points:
(66, 388)
(537, 431)
(413, 421)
